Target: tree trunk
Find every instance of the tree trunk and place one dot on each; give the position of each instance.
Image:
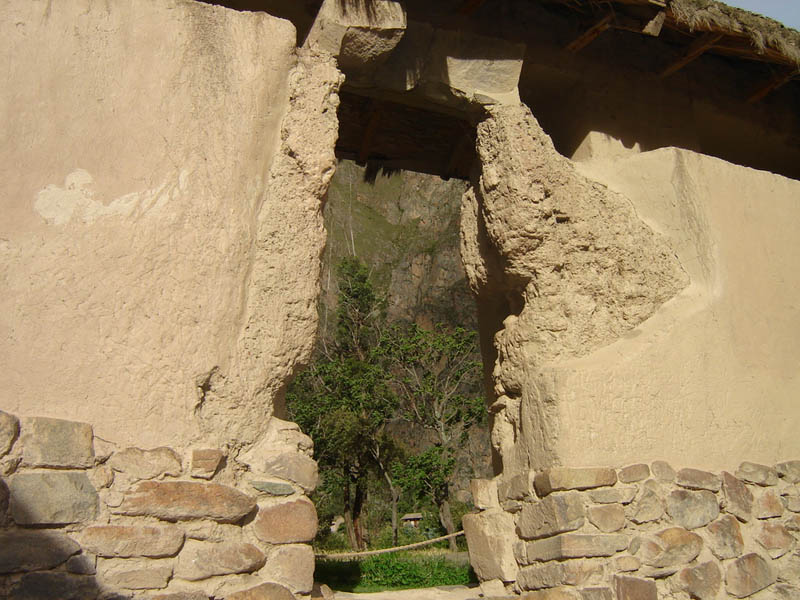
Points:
(358, 507)
(446, 519)
(349, 525)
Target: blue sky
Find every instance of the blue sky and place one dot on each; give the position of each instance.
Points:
(785, 11)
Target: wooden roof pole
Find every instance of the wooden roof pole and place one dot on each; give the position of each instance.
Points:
(772, 85)
(588, 36)
(696, 48)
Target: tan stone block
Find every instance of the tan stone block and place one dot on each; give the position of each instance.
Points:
(775, 539)
(691, 509)
(767, 505)
(490, 554)
(616, 494)
(520, 486)
(286, 523)
(662, 471)
(634, 473)
(56, 443)
(634, 588)
(575, 545)
(484, 493)
(789, 471)
(701, 582)
(9, 430)
(563, 479)
(265, 591)
(791, 502)
(551, 594)
(102, 477)
(201, 560)
(596, 593)
(22, 550)
(793, 523)
(188, 595)
(146, 464)
(725, 537)
(648, 506)
(125, 541)
(494, 588)
(179, 500)
(608, 518)
(670, 547)
(322, 592)
(738, 499)
(747, 575)
(293, 466)
(52, 498)
(625, 564)
(206, 462)
(759, 474)
(694, 479)
(557, 513)
(137, 574)
(554, 574)
(291, 565)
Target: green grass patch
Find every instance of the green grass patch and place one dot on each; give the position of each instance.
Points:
(396, 571)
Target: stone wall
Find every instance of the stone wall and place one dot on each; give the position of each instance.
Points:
(642, 532)
(89, 519)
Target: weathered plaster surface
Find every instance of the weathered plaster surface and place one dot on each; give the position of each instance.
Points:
(150, 236)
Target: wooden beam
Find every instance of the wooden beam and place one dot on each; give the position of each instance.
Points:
(369, 133)
(588, 36)
(470, 6)
(772, 85)
(695, 50)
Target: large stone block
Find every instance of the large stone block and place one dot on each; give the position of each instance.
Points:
(635, 588)
(146, 464)
(563, 593)
(747, 575)
(725, 537)
(789, 470)
(42, 586)
(206, 462)
(291, 565)
(56, 443)
(701, 582)
(286, 523)
(124, 541)
(22, 551)
(555, 574)
(295, 467)
(767, 505)
(738, 499)
(662, 471)
(484, 493)
(617, 494)
(180, 500)
(758, 474)
(562, 479)
(265, 591)
(694, 479)
(775, 539)
(692, 509)
(201, 560)
(557, 513)
(9, 430)
(137, 574)
(608, 518)
(52, 498)
(575, 545)
(648, 506)
(671, 547)
(488, 535)
(633, 473)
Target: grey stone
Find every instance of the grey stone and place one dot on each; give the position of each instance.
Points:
(575, 545)
(265, 591)
(635, 588)
(201, 560)
(180, 500)
(563, 479)
(767, 506)
(633, 473)
(126, 541)
(294, 467)
(747, 575)
(725, 538)
(557, 513)
(608, 517)
(759, 474)
(146, 464)
(139, 575)
(54, 586)
(702, 582)
(692, 509)
(648, 507)
(52, 498)
(286, 523)
(273, 488)
(789, 471)
(694, 479)
(206, 462)
(291, 565)
(596, 593)
(9, 430)
(22, 550)
(662, 471)
(614, 495)
(671, 547)
(82, 564)
(738, 499)
(56, 443)
(775, 539)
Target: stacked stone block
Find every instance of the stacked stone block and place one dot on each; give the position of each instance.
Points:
(82, 519)
(643, 532)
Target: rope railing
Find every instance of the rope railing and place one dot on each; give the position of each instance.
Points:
(357, 555)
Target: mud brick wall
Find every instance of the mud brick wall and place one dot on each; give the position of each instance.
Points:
(643, 532)
(91, 520)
